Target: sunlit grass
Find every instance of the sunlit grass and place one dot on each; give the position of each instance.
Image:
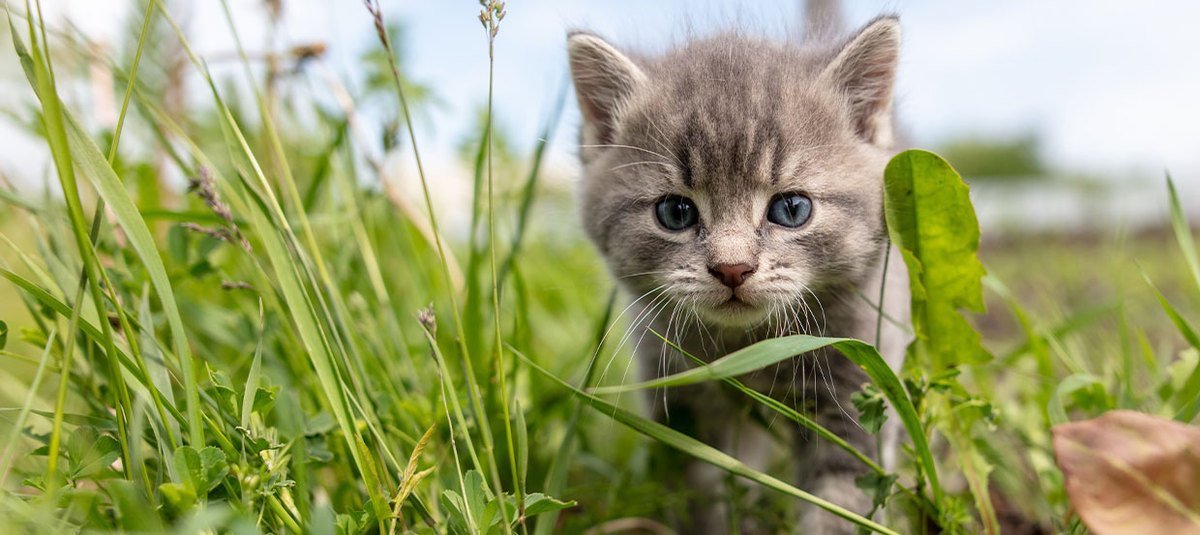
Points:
(293, 345)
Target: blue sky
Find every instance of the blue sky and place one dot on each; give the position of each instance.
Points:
(1113, 86)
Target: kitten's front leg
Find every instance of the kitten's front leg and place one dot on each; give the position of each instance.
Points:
(826, 470)
(706, 413)
(696, 411)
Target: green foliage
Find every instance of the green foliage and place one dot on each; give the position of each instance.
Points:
(694, 448)
(986, 158)
(291, 347)
(878, 487)
(870, 404)
(931, 220)
(477, 511)
(197, 473)
(88, 453)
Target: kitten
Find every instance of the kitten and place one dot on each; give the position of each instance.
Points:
(735, 188)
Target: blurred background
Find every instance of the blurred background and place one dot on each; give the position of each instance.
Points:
(1063, 115)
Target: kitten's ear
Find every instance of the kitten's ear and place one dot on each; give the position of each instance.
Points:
(864, 70)
(604, 78)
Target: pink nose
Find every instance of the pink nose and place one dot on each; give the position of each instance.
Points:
(732, 275)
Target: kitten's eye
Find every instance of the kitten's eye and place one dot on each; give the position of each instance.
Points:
(677, 213)
(790, 210)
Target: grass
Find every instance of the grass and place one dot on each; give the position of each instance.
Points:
(294, 346)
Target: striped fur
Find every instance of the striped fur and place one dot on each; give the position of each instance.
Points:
(729, 122)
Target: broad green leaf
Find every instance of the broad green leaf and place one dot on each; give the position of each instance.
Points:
(931, 219)
(776, 350)
(200, 471)
(493, 519)
(538, 503)
(214, 466)
(1131, 473)
(455, 512)
(704, 452)
(475, 498)
(89, 452)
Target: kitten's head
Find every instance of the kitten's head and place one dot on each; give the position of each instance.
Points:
(737, 176)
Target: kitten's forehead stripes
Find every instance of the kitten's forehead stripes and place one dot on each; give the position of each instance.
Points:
(731, 122)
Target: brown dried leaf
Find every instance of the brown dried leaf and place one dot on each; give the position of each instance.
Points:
(1131, 473)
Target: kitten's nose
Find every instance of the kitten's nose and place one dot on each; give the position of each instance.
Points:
(732, 275)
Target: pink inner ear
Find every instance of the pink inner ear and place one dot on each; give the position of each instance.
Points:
(593, 112)
(603, 78)
(866, 70)
(871, 94)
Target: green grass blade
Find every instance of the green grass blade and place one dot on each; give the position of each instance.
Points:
(740, 362)
(776, 350)
(87, 327)
(255, 374)
(703, 452)
(36, 63)
(786, 411)
(93, 165)
(1187, 400)
(1183, 233)
(1185, 329)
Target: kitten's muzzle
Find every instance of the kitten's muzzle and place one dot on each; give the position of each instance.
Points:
(732, 275)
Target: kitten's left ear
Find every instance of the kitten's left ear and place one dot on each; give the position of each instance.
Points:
(865, 72)
(604, 80)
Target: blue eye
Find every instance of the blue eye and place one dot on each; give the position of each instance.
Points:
(790, 210)
(676, 213)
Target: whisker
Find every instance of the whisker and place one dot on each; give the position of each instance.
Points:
(630, 147)
(616, 322)
(643, 273)
(644, 162)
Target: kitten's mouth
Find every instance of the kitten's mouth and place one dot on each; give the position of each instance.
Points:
(735, 301)
(734, 312)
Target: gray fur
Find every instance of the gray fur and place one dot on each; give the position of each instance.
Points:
(729, 122)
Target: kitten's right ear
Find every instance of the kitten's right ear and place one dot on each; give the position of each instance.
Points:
(865, 72)
(604, 79)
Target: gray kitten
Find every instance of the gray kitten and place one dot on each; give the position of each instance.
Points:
(735, 188)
